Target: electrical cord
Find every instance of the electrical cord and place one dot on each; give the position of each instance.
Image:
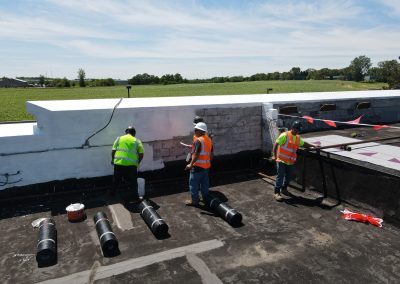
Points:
(7, 175)
(86, 144)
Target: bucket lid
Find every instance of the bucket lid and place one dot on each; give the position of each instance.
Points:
(75, 207)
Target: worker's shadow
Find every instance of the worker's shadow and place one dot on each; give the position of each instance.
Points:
(133, 205)
(295, 200)
(206, 209)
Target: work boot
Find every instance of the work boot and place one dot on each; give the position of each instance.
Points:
(191, 203)
(278, 197)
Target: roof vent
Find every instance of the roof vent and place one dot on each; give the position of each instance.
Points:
(327, 107)
(288, 110)
(363, 105)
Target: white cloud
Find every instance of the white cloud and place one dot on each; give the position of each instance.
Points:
(323, 12)
(175, 33)
(20, 27)
(393, 5)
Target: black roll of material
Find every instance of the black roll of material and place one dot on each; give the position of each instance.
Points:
(225, 211)
(108, 240)
(156, 224)
(47, 242)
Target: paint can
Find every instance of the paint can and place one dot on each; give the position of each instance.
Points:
(75, 212)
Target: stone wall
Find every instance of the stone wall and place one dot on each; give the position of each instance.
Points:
(233, 130)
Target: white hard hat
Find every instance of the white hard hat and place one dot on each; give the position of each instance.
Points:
(201, 126)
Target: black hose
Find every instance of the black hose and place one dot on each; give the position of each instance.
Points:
(86, 144)
(98, 131)
(7, 175)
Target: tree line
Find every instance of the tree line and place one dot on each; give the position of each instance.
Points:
(360, 69)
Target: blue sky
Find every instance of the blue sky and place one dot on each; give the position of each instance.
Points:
(198, 39)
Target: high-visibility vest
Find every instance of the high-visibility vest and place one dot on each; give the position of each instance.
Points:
(126, 154)
(194, 140)
(287, 152)
(204, 160)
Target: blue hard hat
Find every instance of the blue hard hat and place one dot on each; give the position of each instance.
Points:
(297, 125)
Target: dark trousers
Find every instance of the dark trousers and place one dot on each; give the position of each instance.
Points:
(127, 174)
(284, 175)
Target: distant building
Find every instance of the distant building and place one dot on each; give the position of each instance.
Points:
(12, 83)
(337, 77)
(369, 78)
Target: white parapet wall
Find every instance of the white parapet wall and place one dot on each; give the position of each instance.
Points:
(72, 139)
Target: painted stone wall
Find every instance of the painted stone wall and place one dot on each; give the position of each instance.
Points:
(73, 139)
(232, 129)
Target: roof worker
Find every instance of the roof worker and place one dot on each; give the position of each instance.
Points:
(284, 153)
(200, 163)
(126, 155)
(196, 120)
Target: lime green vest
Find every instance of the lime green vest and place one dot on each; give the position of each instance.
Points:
(126, 151)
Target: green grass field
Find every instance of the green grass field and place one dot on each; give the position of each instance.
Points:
(12, 107)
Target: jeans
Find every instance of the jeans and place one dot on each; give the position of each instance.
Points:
(198, 181)
(284, 175)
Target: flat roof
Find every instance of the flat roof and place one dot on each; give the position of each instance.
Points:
(296, 241)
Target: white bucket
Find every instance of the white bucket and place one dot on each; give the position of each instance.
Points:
(141, 184)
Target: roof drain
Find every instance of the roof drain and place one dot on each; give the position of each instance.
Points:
(86, 144)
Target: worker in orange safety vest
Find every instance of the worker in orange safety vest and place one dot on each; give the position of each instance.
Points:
(200, 163)
(284, 153)
(196, 120)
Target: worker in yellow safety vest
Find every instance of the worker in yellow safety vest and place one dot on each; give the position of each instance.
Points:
(126, 155)
(284, 153)
(200, 163)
